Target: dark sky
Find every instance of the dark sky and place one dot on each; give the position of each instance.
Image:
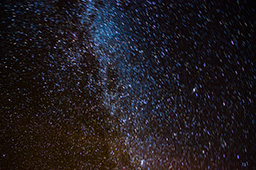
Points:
(109, 84)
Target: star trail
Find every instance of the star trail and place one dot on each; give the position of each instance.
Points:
(142, 84)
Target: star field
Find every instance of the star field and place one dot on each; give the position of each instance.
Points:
(127, 84)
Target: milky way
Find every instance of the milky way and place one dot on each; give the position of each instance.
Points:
(109, 84)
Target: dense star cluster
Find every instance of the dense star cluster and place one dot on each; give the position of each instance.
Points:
(132, 84)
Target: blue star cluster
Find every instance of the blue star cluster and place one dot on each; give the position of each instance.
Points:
(142, 84)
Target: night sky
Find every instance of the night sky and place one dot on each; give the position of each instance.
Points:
(127, 84)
